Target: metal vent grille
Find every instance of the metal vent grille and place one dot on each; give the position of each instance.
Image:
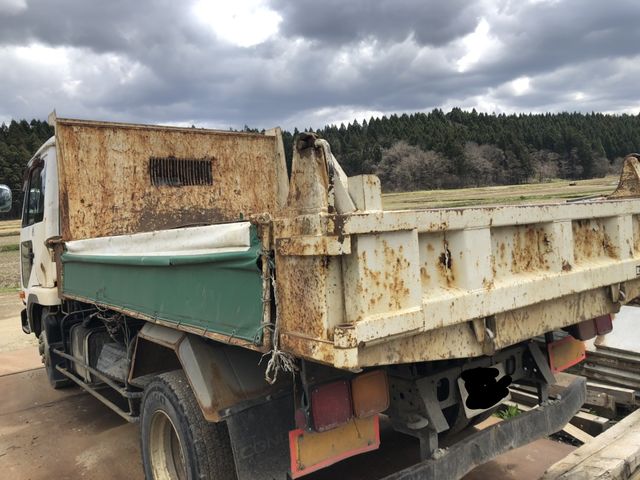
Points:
(180, 172)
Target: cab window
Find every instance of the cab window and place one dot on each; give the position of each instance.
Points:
(33, 210)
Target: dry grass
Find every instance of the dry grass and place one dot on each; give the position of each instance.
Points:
(9, 271)
(9, 240)
(9, 260)
(9, 228)
(555, 191)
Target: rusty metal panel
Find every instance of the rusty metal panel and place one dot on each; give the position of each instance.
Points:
(106, 185)
(442, 283)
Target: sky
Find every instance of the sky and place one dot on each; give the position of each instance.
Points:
(308, 63)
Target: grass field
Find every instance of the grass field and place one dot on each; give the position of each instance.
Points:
(555, 191)
(513, 194)
(9, 255)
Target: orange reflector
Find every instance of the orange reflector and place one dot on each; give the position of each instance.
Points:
(312, 451)
(565, 353)
(22, 295)
(370, 392)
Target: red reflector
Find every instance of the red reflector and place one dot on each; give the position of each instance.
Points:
(330, 405)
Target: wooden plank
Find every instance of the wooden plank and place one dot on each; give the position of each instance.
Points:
(592, 424)
(613, 375)
(577, 433)
(624, 396)
(614, 455)
(600, 402)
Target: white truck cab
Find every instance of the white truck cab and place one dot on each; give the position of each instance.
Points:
(40, 223)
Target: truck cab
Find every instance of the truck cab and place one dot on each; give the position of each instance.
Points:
(39, 225)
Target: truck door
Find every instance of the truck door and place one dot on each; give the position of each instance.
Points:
(32, 235)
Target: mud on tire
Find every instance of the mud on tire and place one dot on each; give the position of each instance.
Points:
(45, 356)
(176, 441)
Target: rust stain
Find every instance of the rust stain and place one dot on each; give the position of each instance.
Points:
(106, 186)
(530, 249)
(591, 240)
(636, 236)
(424, 274)
(445, 265)
(303, 312)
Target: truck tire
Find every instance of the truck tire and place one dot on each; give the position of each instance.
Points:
(176, 441)
(45, 356)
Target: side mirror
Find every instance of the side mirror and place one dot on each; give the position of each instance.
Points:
(5, 199)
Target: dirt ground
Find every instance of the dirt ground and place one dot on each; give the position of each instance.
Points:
(68, 434)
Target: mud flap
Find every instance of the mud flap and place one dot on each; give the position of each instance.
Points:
(260, 439)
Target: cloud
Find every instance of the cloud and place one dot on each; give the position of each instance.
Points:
(304, 63)
(335, 22)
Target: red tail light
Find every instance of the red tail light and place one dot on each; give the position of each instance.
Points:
(331, 405)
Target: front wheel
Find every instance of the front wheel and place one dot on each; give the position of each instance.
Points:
(56, 379)
(176, 441)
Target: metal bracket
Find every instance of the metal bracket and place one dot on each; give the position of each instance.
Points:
(485, 332)
(542, 363)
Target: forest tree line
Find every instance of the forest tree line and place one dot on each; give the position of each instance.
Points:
(18, 142)
(430, 150)
(470, 149)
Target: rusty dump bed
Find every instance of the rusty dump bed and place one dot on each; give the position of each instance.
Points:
(358, 287)
(121, 178)
(340, 281)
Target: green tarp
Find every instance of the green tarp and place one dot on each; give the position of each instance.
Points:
(218, 292)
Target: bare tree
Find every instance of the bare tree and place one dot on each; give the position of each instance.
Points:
(545, 165)
(407, 167)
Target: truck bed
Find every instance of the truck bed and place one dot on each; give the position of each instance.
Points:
(407, 286)
(363, 287)
(326, 271)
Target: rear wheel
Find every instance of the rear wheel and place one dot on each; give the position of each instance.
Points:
(177, 442)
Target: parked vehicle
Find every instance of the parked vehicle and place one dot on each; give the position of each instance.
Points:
(5, 199)
(258, 325)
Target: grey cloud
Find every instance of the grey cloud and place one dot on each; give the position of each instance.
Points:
(154, 62)
(542, 37)
(430, 22)
(109, 26)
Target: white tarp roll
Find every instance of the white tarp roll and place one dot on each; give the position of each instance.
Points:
(228, 237)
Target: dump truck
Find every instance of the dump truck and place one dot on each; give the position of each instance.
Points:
(260, 323)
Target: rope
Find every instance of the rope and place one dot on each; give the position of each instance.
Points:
(279, 360)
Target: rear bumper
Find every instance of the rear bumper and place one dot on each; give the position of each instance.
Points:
(480, 447)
